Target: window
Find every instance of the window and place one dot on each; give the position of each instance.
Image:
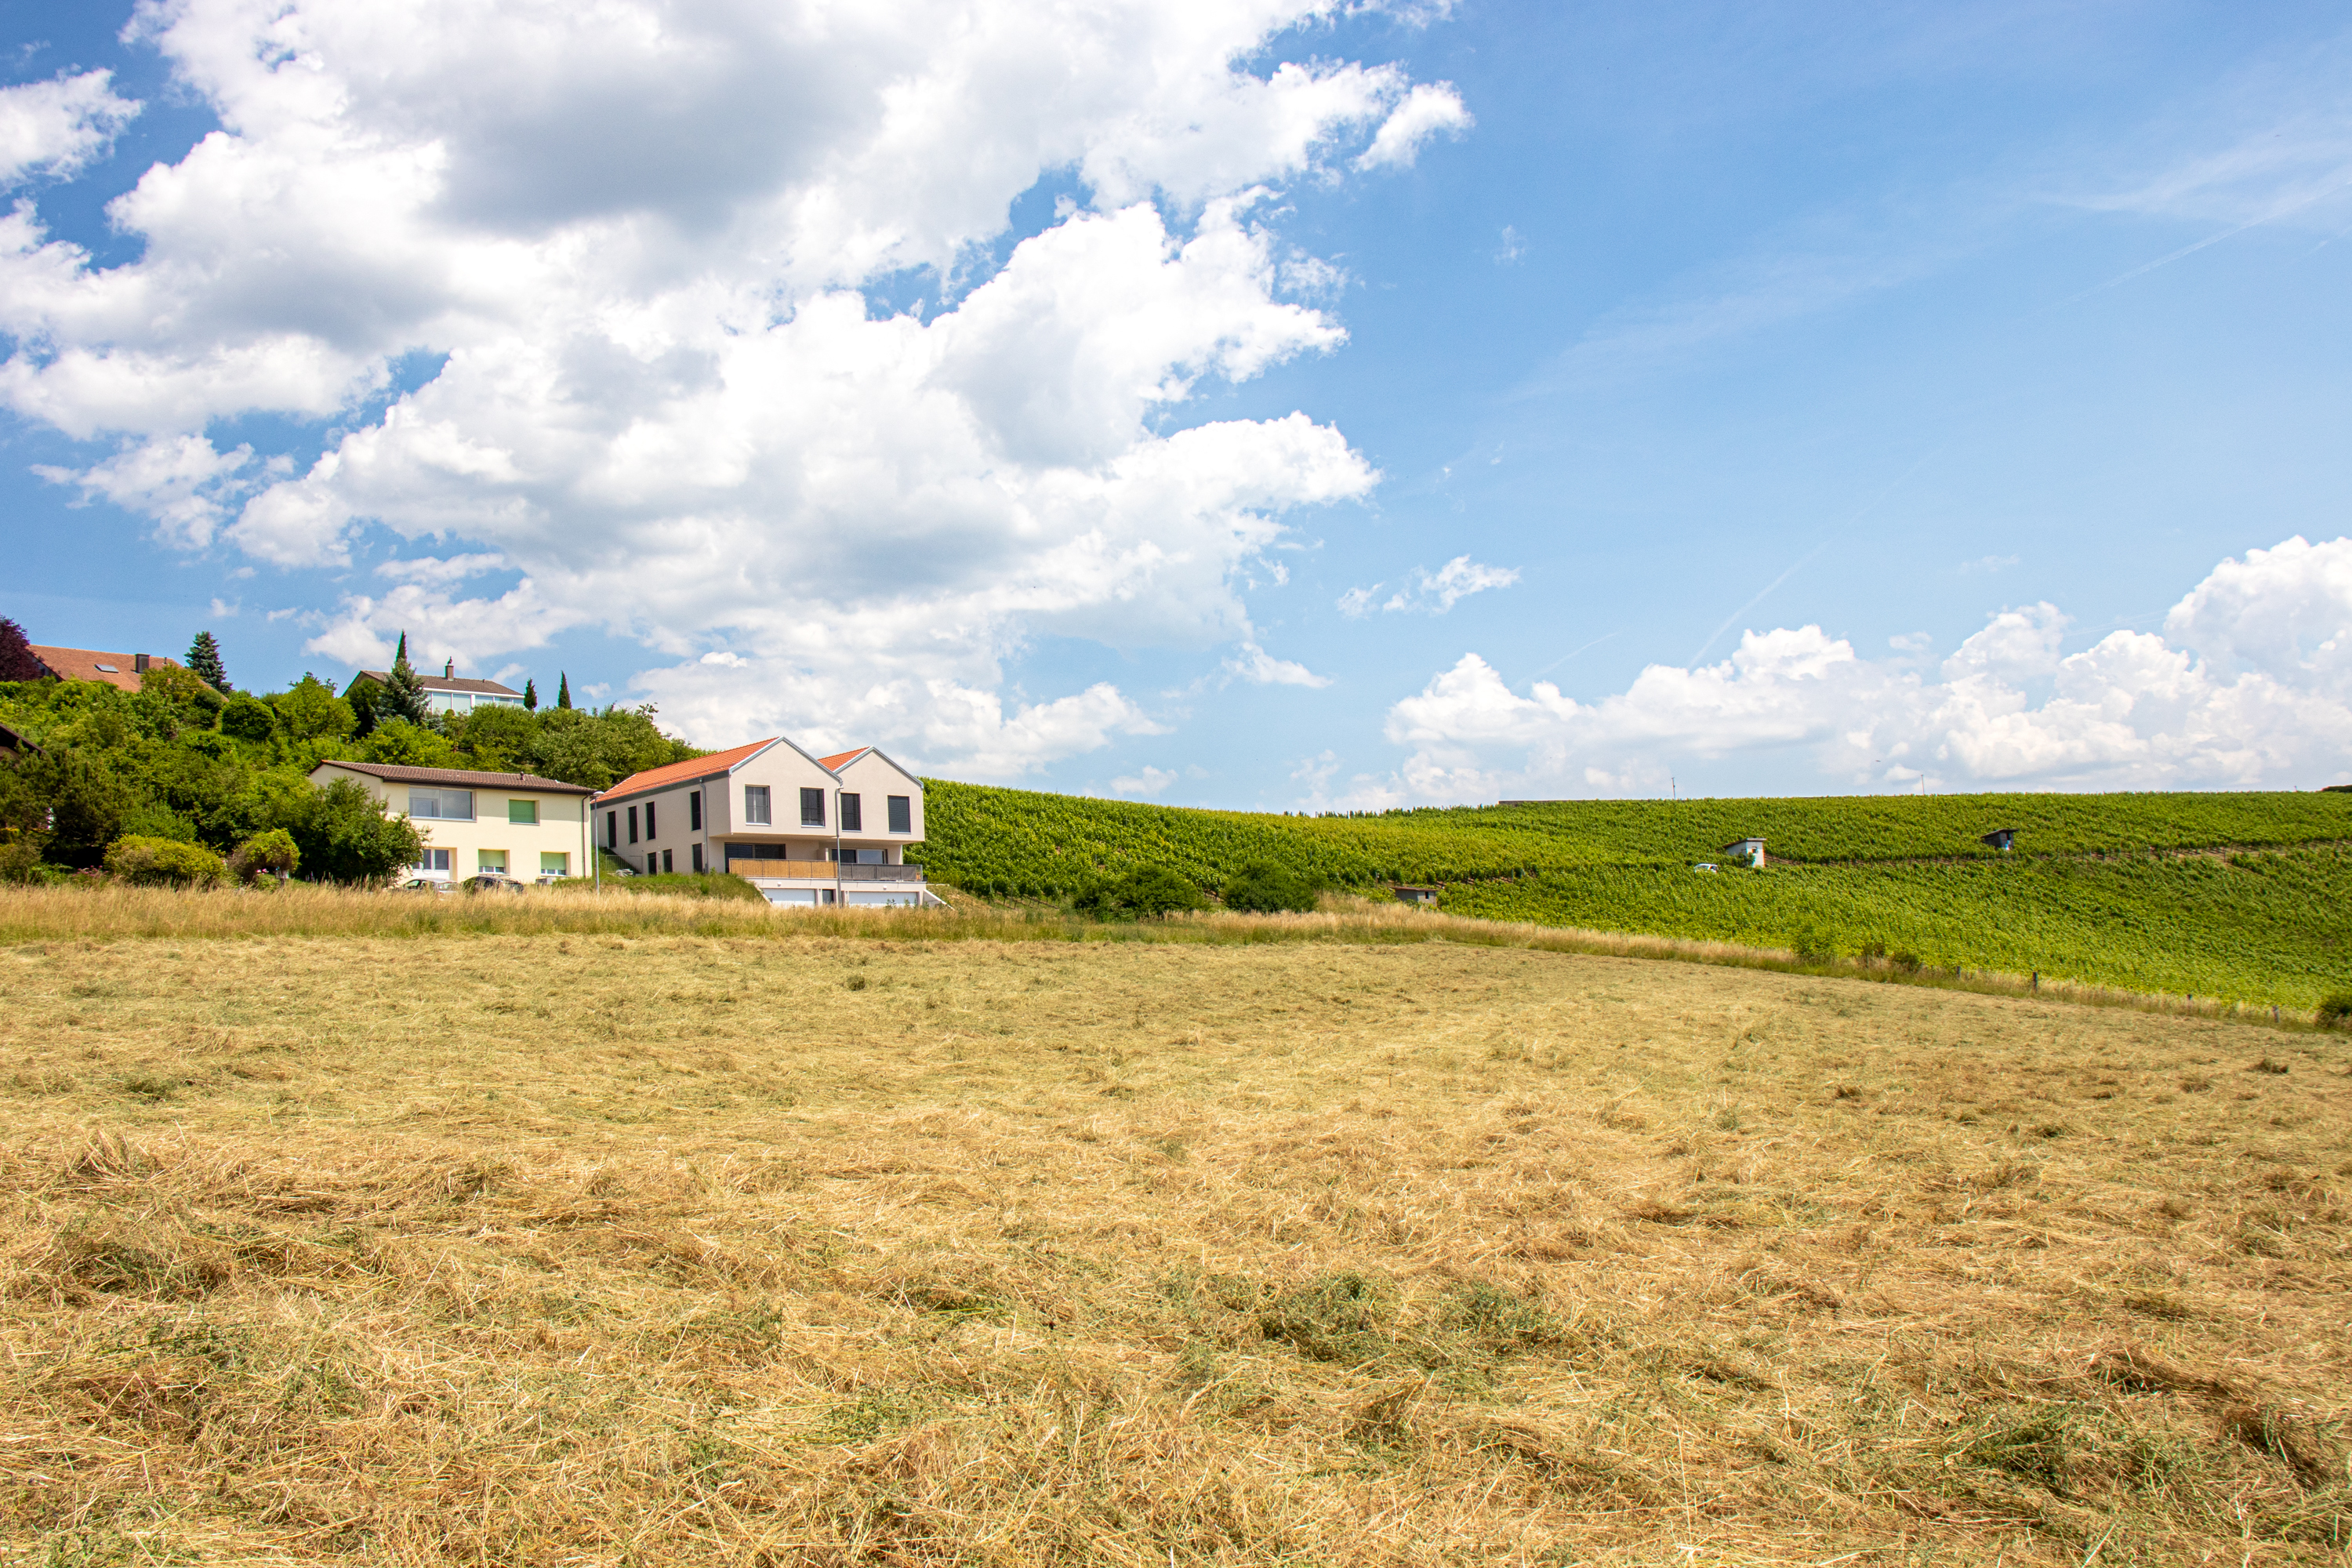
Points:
(697, 855)
(633, 825)
(442, 805)
(612, 829)
(523, 813)
(669, 864)
(552, 864)
(435, 860)
(812, 809)
(902, 813)
(491, 862)
(755, 803)
(649, 819)
(853, 815)
(694, 812)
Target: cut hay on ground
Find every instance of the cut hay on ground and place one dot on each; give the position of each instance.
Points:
(606, 1248)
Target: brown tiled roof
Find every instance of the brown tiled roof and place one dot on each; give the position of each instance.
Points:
(86, 664)
(833, 765)
(692, 768)
(447, 683)
(391, 774)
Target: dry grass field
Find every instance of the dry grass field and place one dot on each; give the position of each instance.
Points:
(643, 1248)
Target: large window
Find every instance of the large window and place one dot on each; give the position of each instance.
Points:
(523, 813)
(853, 814)
(633, 825)
(902, 813)
(612, 829)
(435, 860)
(442, 805)
(553, 863)
(812, 809)
(697, 858)
(694, 811)
(491, 862)
(650, 820)
(755, 804)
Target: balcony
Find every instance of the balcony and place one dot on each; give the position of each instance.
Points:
(823, 871)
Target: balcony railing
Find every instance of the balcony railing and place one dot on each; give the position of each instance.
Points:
(825, 870)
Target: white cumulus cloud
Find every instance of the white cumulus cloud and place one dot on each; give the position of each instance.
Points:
(2249, 685)
(644, 243)
(55, 127)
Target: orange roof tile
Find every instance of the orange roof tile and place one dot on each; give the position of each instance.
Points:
(832, 764)
(88, 664)
(692, 768)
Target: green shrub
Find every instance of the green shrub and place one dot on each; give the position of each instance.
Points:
(1148, 892)
(1265, 887)
(2335, 1010)
(273, 852)
(163, 862)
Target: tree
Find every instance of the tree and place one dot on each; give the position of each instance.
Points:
(87, 799)
(17, 661)
(401, 745)
(344, 833)
(563, 691)
(205, 659)
(248, 719)
(402, 697)
(1152, 891)
(1263, 888)
(311, 712)
(529, 696)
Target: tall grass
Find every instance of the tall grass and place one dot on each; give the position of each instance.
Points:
(115, 912)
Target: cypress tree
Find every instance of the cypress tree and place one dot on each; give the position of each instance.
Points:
(563, 689)
(402, 698)
(204, 662)
(529, 696)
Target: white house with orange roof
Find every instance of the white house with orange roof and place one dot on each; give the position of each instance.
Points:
(807, 831)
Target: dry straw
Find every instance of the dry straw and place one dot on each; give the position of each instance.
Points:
(759, 1245)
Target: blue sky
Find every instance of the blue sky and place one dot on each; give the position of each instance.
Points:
(1972, 368)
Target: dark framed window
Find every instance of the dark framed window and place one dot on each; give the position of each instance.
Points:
(755, 804)
(649, 819)
(853, 814)
(633, 825)
(697, 857)
(902, 813)
(670, 862)
(694, 812)
(812, 809)
(612, 829)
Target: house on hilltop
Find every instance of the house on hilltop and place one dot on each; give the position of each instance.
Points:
(2001, 838)
(448, 692)
(1751, 848)
(807, 831)
(502, 825)
(127, 670)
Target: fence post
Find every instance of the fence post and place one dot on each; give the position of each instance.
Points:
(2037, 982)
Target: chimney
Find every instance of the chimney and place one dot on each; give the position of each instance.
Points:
(139, 662)
(449, 670)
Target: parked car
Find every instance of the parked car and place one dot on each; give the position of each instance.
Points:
(423, 885)
(490, 882)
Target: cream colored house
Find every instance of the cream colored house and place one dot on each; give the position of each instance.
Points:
(807, 831)
(511, 824)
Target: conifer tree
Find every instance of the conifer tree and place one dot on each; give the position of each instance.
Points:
(529, 696)
(403, 697)
(563, 689)
(204, 662)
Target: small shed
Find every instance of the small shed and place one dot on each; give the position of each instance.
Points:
(1416, 895)
(1704, 866)
(1751, 848)
(2001, 838)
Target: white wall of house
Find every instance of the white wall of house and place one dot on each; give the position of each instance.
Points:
(528, 835)
(762, 801)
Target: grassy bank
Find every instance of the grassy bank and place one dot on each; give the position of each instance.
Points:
(654, 1247)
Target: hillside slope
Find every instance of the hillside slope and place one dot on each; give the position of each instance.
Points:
(2239, 895)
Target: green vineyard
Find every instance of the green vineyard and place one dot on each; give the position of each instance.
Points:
(2242, 895)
